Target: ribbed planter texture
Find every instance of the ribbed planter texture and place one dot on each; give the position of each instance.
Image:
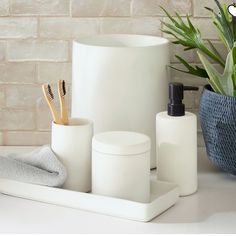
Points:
(218, 122)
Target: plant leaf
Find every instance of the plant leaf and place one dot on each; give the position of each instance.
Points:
(234, 76)
(213, 74)
(234, 54)
(226, 79)
(197, 71)
(224, 24)
(187, 35)
(215, 50)
(221, 83)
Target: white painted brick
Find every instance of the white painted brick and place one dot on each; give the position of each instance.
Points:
(40, 7)
(144, 25)
(52, 72)
(18, 27)
(87, 8)
(17, 73)
(152, 7)
(30, 138)
(37, 50)
(3, 46)
(23, 96)
(43, 117)
(23, 110)
(1, 138)
(2, 97)
(199, 7)
(4, 7)
(11, 119)
(43, 114)
(68, 28)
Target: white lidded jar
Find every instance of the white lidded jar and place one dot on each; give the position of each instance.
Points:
(176, 137)
(120, 81)
(121, 165)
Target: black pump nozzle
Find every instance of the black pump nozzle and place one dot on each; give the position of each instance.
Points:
(190, 88)
(176, 95)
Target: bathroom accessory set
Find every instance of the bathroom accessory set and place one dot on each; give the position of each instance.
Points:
(160, 196)
(120, 171)
(120, 159)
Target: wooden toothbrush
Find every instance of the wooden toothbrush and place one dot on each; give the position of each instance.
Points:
(62, 92)
(48, 94)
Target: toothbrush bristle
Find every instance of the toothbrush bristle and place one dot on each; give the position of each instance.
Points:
(63, 88)
(50, 93)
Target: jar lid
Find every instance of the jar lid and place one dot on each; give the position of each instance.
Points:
(121, 143)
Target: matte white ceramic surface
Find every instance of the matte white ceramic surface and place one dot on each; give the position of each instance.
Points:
(163, 196)
(211, 210)
(73, 144)
(177, 150)
(121, 165)
(120, 82)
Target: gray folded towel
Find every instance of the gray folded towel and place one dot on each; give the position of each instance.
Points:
(40, 166)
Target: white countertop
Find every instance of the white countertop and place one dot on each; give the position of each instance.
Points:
(211, 210)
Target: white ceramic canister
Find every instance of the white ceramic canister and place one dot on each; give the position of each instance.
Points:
(121, 165)
(121, 82)
(73, 144)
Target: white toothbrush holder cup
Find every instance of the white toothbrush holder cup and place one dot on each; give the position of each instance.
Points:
(121, 165)
(72, 144)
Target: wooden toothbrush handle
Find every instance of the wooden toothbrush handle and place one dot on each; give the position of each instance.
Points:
(64, 114)
(55, 115)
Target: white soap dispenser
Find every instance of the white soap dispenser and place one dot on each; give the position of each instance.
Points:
(176, 137)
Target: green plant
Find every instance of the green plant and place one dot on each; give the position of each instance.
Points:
(186, 34)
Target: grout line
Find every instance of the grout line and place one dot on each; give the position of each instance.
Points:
(10, 10)
(131, 8)
(5, 52)
(3, 137)
(38, 27)
(70, 8)
(36, 74)
(192, 6)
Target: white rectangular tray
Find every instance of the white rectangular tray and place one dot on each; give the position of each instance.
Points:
(163, 196)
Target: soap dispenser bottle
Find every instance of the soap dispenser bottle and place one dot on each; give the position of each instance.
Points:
(176, 137)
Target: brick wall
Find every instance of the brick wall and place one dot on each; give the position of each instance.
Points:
(30, 30)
